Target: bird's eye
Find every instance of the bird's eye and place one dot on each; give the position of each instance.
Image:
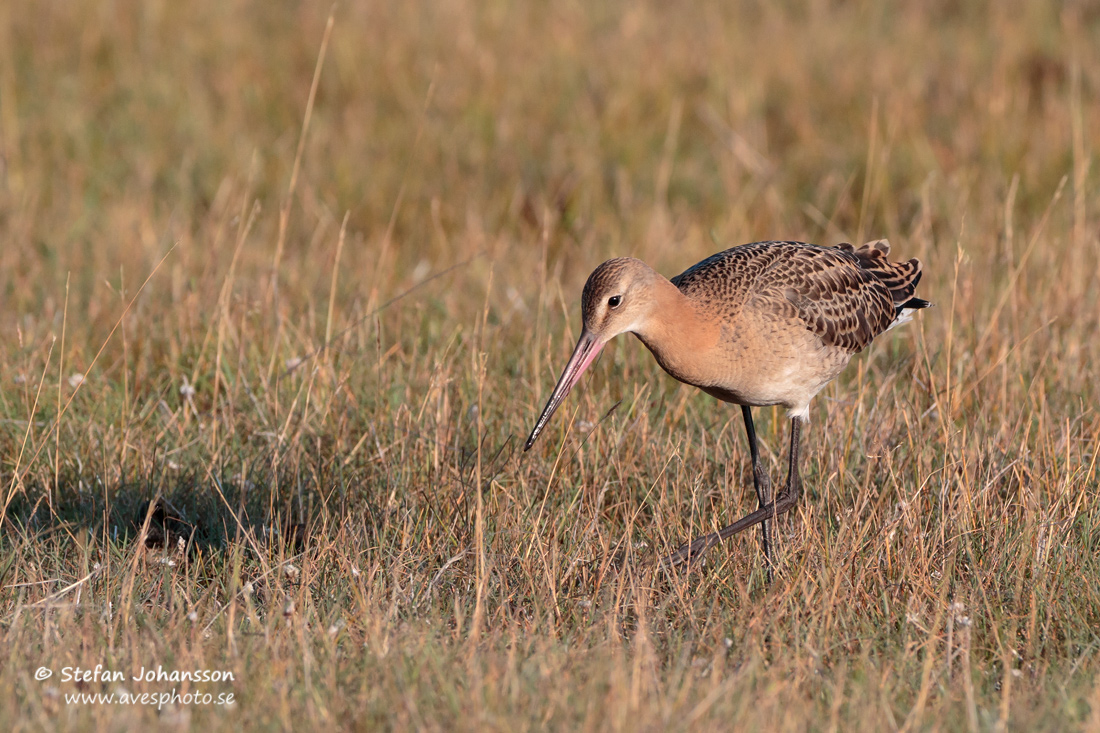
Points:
(614, 301)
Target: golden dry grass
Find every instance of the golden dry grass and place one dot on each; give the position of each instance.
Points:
(329, 373)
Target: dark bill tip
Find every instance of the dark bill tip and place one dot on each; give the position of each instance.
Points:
(588, 346)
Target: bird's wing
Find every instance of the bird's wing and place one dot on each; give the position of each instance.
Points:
(724, 282)
(845, 305)
(825, 288)
(900, 278)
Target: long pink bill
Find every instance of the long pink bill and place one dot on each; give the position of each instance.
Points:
(587, 348)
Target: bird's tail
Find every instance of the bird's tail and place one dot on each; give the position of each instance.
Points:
(904, 312)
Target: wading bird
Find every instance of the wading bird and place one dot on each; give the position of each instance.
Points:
(768, 323)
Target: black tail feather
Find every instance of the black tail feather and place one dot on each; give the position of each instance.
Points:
(913, 304)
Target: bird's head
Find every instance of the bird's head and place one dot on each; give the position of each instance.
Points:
(614, 301)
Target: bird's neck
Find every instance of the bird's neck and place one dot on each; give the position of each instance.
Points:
(677, 332)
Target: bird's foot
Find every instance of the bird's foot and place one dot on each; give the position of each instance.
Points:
(691, 551)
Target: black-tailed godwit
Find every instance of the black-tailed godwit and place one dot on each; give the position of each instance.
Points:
(768, 323)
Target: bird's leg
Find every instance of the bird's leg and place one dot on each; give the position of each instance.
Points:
(786, 500)
(793, 489)
(763, 484)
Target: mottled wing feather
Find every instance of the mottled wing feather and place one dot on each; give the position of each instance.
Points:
(724, 281)
(830, 290)
(900, 278)
(846, 306)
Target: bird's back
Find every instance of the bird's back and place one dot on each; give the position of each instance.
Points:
(845, 296)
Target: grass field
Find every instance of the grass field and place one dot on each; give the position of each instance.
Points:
(280, 300)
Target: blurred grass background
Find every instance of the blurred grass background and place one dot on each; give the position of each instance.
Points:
(297, 455)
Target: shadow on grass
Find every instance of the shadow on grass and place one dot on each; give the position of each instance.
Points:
(190, 511)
